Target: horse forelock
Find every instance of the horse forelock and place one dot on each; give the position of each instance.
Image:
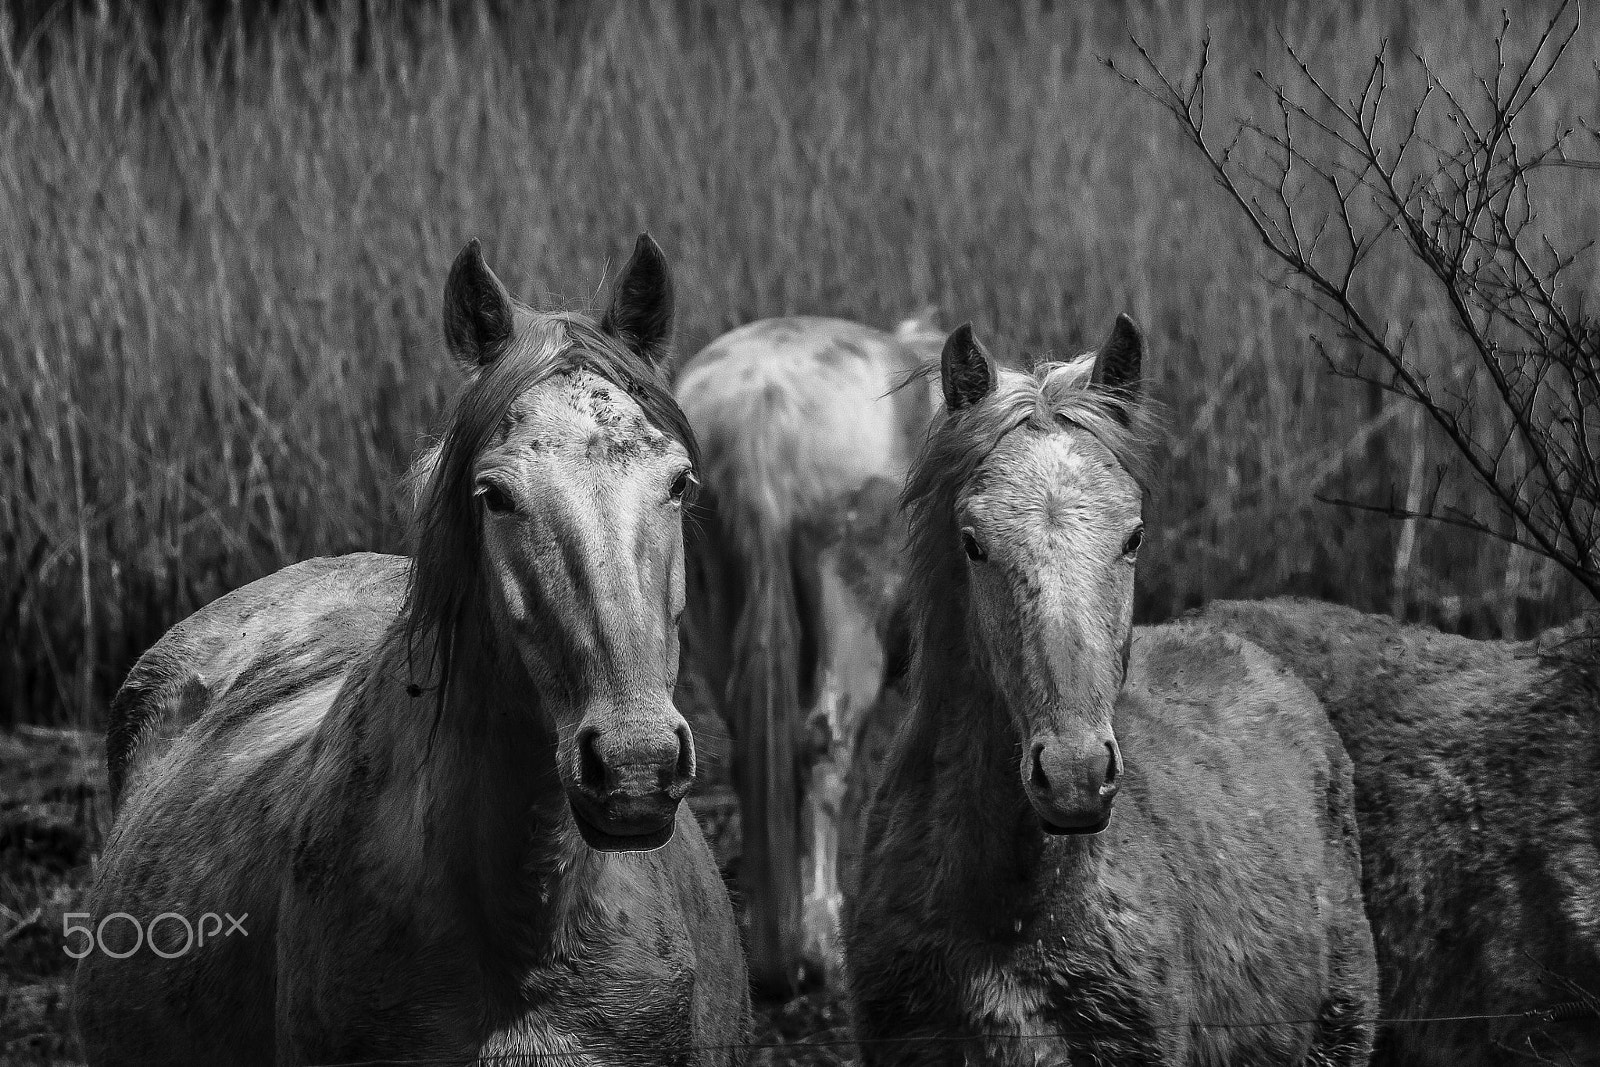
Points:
(447, 534)
(1126, 424)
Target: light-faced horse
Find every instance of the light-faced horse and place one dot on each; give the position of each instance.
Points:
(805, 438)
(1091, 844)
(455, 831)
(1477, 777)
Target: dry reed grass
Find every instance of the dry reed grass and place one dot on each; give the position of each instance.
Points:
(223, 252)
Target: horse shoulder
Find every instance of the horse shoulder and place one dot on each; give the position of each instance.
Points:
(720, 966)
(646, 940)
(1240, 796)
(1253, 717)
(684, 944)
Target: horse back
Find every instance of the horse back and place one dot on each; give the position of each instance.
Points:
(794, 411)
(1479, 806)
(1250, 719)
(343, 604)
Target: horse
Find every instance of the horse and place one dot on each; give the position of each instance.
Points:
(805, 437)
(441, 800)
(1003, 915)
(1477, 777)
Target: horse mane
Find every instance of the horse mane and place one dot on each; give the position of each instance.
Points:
(1045, 398)
(446, 526)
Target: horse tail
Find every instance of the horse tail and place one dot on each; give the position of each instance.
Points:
(764, 697)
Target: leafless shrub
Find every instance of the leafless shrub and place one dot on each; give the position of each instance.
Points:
(1454, 174)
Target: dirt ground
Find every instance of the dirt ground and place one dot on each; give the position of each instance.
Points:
(52, 814)
(52, 790)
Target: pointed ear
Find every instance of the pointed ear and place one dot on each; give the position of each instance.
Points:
(965, 369)
(640, 315)
(478, 320)
(1117, 364)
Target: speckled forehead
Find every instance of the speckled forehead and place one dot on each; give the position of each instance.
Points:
(1048, 474)
(580, 411)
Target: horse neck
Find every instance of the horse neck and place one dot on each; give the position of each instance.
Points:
(483, 770)
(997, 846)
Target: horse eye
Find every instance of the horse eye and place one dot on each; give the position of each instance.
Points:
(495, 498)
(969, 544)
(1135, 539)
(681, 484)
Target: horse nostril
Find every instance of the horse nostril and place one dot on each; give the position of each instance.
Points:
(685, 767)
(1041, 781)
(1113, 771)
(591, 769)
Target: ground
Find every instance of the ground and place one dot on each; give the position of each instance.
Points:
(52, 810)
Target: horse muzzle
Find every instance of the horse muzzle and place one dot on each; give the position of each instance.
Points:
(1089, 829)
(633, 832)
(628, 781)
(1072, 787)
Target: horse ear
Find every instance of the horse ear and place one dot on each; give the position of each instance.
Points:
(1117, 364)
(478, 319)
(640, 315)
(965, 369)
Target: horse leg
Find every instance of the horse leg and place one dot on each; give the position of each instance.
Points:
(1344, 1030)
(823, 900)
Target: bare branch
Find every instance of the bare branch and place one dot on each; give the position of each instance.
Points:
(1324, 183)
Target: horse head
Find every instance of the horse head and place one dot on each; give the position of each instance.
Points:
(555, 506)
(1044, 510)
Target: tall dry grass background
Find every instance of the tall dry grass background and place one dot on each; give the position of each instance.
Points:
(222, 244)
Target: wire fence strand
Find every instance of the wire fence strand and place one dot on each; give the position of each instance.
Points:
(1564, 1011)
